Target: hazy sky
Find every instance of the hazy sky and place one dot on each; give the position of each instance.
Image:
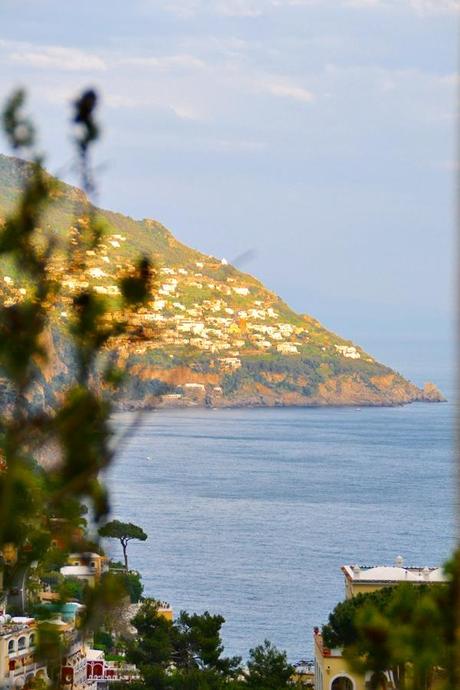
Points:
(318, 133)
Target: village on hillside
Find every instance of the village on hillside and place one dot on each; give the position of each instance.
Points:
(222, 315)
(210, 335)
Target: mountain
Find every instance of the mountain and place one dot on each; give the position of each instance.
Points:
(211, 334)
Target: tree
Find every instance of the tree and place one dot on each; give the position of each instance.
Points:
(341, 629)
(186, 653)
(72, 588)
(200, 644)
(134, 586)
(124, 532)
(74, 425)
(268, 668)
(406, 630)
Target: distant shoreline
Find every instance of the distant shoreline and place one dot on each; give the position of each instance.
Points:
(251, 406)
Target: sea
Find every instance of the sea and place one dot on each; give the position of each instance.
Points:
(250, 513)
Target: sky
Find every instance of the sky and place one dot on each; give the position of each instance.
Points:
(316, 138)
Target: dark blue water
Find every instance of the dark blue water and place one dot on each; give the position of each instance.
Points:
(251, 513)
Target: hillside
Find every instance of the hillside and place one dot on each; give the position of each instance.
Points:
(211, 335)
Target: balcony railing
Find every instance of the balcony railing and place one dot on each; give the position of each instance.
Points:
(27, 668)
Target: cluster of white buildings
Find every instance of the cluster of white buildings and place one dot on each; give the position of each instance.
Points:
(216, 323)
(348, 351)
(81, 666)
(18, 662)
(215, 315)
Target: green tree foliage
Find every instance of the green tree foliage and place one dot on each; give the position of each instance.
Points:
(155, 643)
(104, 641)
(124, 532)
(408, 630)
(72, 589)
(202, 646)
(268, 668)
(186, 653)
(75, 428)
(341, 628)
(133, 585)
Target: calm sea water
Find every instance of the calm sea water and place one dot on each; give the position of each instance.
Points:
(251, 513)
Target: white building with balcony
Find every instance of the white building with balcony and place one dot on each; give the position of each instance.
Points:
(18, 663)
(74, 663)
(85, 566)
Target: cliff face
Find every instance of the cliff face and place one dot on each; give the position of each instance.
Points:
(192, 389)
(209, 335)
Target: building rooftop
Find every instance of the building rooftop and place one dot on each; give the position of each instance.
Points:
(393, 574)
(77, 570)
(13, 626)
(94, 655)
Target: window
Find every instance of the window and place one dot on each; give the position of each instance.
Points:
(22, 643)
(11, 646)
(32, 640)
(98, 671)
(342, 683)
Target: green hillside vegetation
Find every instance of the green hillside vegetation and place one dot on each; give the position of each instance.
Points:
(209, 334)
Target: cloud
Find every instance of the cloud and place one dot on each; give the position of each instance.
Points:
(258, 8)
(118, 100)
(237, 146)
(53, 57)
(181, 111)
(450, 165)
(363, 4)
(58, 95)
(295, 93)
(420, 7)
(166, 62)
(429, 7)
(181, 8)
(185, 112)
(240, 8)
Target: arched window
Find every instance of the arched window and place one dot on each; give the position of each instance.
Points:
(98, 670)
(11, 646)
(32, 640)
(342, 683)
(22, 643)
